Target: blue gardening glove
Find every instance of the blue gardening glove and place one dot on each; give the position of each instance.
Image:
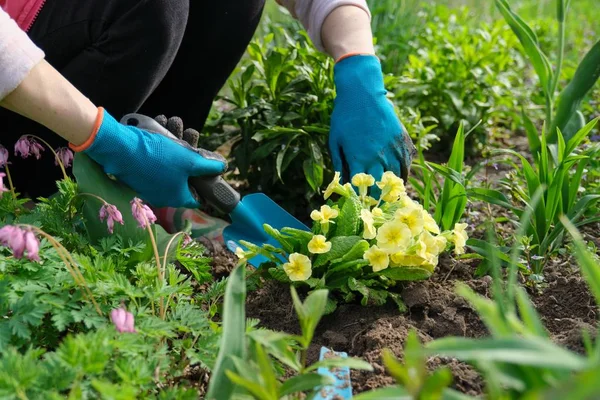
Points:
(366, 135)
(155, 167)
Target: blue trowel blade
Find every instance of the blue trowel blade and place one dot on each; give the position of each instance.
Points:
(247, 221)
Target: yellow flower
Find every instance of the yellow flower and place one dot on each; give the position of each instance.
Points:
(409, 203)
(319, 245)
(401, 259)
(363, 182)
(392, 187)
(429, 223)
(377, 212)
(369, 231)
(429, 247)
(378, 259)
(459, 236)
(412, 217)
(394, 236)
(240, 253)
(325, 215)
(298, 268)
(335, 187)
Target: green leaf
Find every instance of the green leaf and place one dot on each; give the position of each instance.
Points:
(310, 312)
(348, 221)
(589, 267)
(285, 242)
(340, 246)
(524, 351)
(569, 100)
(530, 43)
(377, 297)
(528, 313)
(278, 345)
(304, 383)
(313, 173)
(111, 391)
(406, 273)
(356, 252)
(233, 335)
(491, 196)
(580, 136)
(532, 135)
(388, 393)
(341, 362)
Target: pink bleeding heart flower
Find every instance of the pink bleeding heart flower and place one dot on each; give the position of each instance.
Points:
(27, 146)
(65, 155)
(187, 239)
(112, 214)
(123, 320)
(2, 188)
(22, 147)
(31, 245)
(142, 213)
(19, 241)
(3, 156)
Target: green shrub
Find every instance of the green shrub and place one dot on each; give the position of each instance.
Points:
(282, 101)
(462, 71)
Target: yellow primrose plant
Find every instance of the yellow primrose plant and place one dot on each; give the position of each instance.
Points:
(360, 246)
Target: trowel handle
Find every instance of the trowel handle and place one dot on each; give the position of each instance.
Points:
(212, 189)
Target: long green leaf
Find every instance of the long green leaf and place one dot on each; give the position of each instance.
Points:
(569, 100)
(350, 362)
(525, 351)
(388, 393)
(589, 267)
(528, 313)
(304, 383)
(580, 136)
(233, 336)
(532, 135)
(530, 43)
(491, 196)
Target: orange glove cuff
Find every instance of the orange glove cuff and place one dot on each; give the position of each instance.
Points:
(352, 54)
(92, 137)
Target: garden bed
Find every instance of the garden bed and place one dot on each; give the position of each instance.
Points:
(564, 303)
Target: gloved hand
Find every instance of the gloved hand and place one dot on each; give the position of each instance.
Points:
(366, 135)
(155, 167)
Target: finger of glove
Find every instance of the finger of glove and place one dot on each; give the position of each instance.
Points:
(336, 158)
(202, 166)
(376, 171)
(188, 201)
(400, 159)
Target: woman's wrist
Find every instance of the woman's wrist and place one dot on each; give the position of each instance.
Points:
(46, 97)
(347, 31)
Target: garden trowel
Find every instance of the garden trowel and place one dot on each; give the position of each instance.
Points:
(248, 214)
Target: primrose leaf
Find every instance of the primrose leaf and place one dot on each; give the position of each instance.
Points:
(348, 222)
(356, 252)
(340, 245)
(398, 300)
(377, 297)
(406, 273)
(331, 306)
(286, 242)
(279, 274)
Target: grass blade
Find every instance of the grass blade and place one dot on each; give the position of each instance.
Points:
(589, 267)
(233, 339)
(532, 351)
(530, 43)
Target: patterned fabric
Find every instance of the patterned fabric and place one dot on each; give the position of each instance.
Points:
(203, 225)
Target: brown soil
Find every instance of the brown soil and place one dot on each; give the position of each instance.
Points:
(434, 311)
